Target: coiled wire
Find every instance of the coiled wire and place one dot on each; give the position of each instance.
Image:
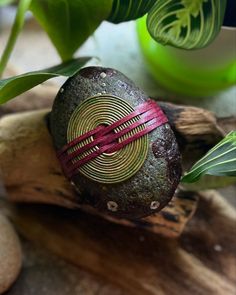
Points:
(107, 168)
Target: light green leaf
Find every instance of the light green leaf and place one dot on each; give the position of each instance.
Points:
(125, 10)
(70, 22)
(207, 182)
(219, 161)
(11, 87)
(186, 24)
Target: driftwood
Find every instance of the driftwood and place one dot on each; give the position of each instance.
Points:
(196, 129)
(31, 172)
(48, 274)
(202, 261)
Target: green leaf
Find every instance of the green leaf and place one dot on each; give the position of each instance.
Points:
(70, 22)
(186, 24)
(125, 10)
(11, 87)
(207, 182)
(219, 161)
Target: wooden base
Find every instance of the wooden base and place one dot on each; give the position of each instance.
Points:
(31, 173)
(202, 261)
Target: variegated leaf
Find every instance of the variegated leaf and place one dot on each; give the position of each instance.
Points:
(125, 10)
(188, 24)
(219, 161)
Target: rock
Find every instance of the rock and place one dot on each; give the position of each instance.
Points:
(136, 193)
(10, 254)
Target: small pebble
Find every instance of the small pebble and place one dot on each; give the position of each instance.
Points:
(218, 248)
(112, 206)
(10, 255)
(103, 75)
(154, 205)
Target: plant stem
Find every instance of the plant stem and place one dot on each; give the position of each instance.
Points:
(16, 29)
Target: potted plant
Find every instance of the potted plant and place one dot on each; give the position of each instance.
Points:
(201, 59)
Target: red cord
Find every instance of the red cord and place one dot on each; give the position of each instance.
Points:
(149, 114)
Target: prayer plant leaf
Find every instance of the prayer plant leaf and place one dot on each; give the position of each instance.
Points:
(125, 10)
(11, 87)
(69, 23)
(219, 161)
(207, 182)
(186, 24)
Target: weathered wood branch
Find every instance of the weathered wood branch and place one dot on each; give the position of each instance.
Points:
(31, 173)
(202, 261)
(195, 128)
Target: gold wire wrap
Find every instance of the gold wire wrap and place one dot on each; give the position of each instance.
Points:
(120, 165)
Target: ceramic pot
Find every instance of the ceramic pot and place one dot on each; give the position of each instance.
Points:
(201, 72)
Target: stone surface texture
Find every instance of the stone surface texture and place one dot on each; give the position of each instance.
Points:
(159, 176)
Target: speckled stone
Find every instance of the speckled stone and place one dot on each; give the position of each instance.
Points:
(10, 255)
(158, 178)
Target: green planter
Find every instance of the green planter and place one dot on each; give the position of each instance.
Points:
(202, 72)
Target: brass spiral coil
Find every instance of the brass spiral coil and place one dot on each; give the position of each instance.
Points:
(107, 168)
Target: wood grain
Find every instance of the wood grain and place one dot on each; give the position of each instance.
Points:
(202, 261)
(31, 173)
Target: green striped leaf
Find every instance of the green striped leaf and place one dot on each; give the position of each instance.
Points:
(188, 24)
(207, 182)
(219, 161)
(125, 10)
